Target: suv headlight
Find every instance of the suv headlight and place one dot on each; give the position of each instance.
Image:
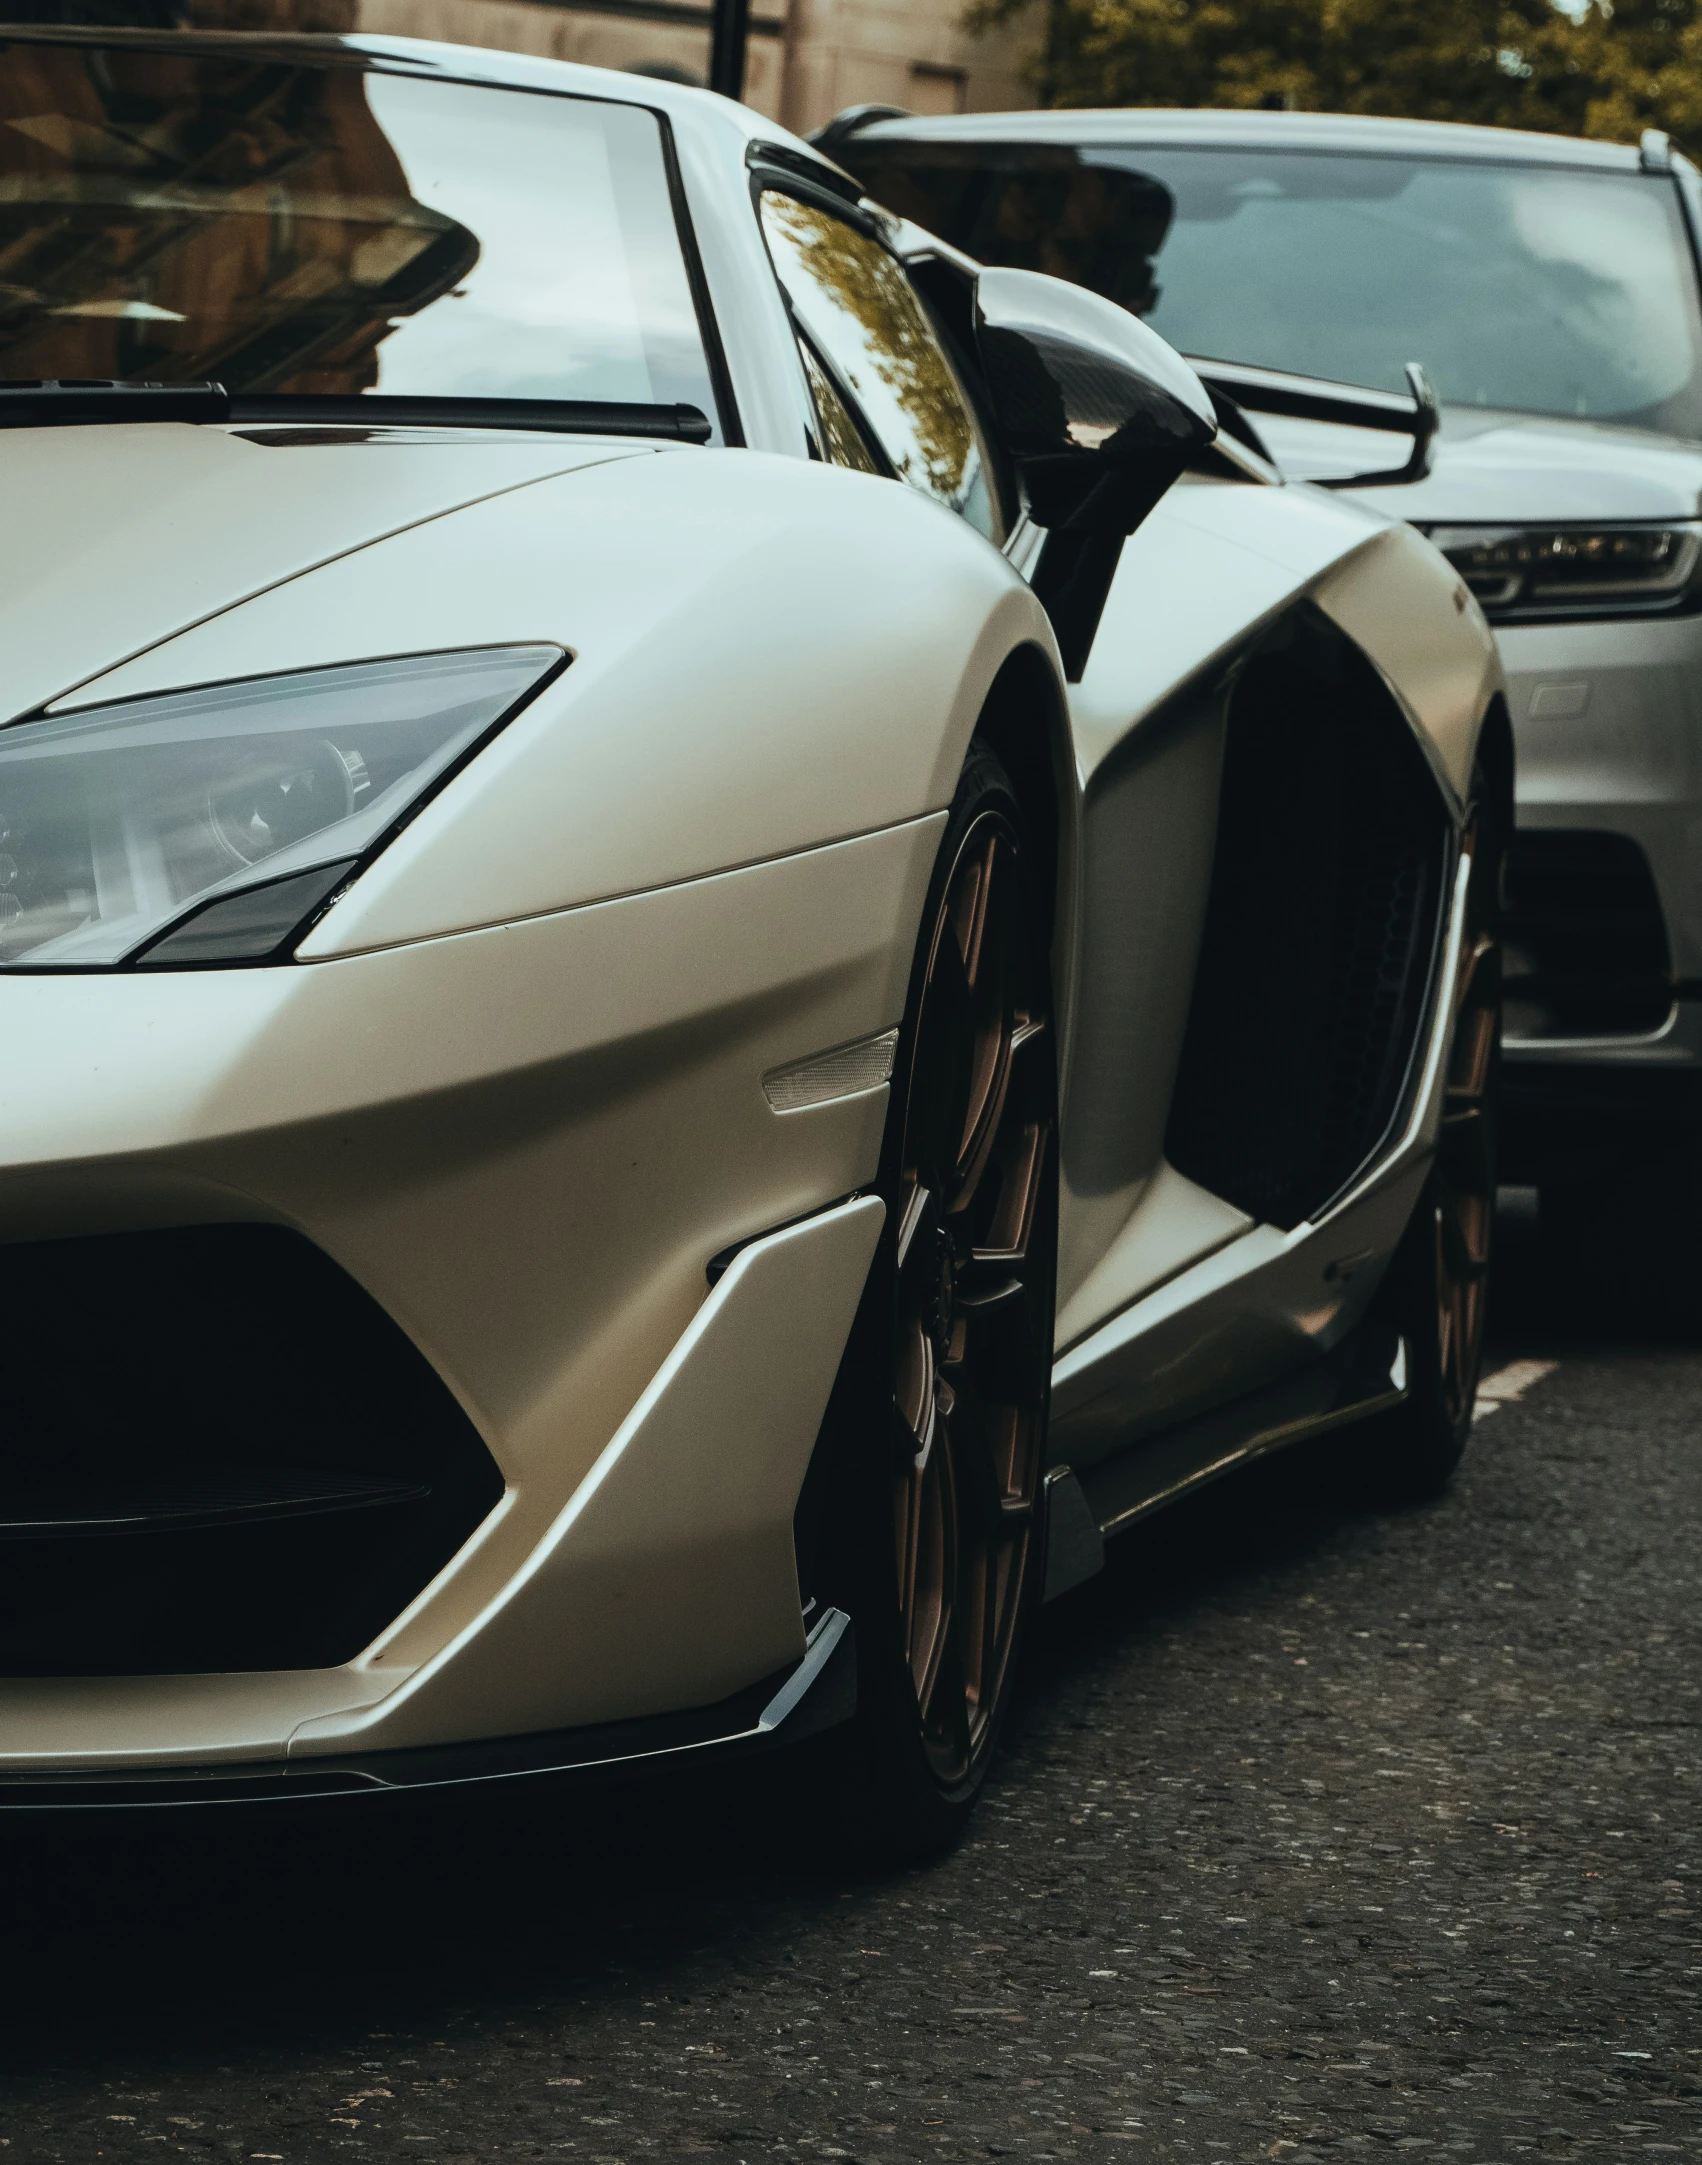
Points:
(208, 826)
(1542, 571)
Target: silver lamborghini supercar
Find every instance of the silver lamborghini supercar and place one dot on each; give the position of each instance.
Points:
(716, 936)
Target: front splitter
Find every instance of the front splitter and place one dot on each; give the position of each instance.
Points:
(817, 1693)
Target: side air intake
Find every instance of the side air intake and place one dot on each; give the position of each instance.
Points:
(219, 1454)
(1320, 937)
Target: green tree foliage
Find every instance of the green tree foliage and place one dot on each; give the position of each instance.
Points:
(1643, 62)
(1601, 67)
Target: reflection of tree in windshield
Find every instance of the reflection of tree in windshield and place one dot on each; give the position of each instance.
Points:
(180, 216)
(1096, 228)
(1034, 207)
(899, 343)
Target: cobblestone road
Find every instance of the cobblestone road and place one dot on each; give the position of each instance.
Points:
(1321, 1835)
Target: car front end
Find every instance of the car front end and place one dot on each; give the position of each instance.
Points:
(451, 992)
(1599, 620)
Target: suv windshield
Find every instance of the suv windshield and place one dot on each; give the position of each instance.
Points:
(1531, 288)
(286, 227)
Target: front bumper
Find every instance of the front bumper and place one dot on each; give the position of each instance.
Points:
(1605, 919)
(1589, 1111)
(524, 1144)
(814, 1694)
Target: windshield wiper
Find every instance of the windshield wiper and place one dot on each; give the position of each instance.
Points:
(564, 416)
(57, 402)
(97, 398)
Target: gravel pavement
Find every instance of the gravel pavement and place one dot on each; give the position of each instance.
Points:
(1319, 1834)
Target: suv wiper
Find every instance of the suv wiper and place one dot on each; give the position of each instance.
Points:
(53, 403)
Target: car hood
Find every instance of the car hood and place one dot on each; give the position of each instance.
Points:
(124, 535)
(1509, 467)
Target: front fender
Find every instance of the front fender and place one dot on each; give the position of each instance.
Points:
(767, 655)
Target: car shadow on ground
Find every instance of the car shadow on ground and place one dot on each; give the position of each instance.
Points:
(1637, 1290)
(277, 1930)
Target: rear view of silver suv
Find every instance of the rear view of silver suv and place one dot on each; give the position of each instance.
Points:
(1549, 290)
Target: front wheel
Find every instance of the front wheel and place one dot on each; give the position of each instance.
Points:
(940, 1474)
(1437, 1291)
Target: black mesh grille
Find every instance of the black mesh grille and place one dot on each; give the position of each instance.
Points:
(1318, 941)
(1586, 945)
(220, 1454)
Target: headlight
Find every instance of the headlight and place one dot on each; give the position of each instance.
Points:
(207, 826)
(1535, 571)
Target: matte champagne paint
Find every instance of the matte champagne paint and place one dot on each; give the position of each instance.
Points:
(138, 531)
(514, 1083)
(726, 702)
(669, 1579)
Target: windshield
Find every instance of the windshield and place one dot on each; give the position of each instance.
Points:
(283, 228)
(1536, 289)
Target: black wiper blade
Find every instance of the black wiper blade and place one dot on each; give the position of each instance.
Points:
(1347, 405)
(53, 403)
(565, 416)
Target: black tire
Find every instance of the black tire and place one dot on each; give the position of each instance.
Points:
(938, 1428)
(1437, 1290)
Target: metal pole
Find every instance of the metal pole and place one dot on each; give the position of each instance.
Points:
(727, 34)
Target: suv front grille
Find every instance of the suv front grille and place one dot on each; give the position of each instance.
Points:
(1586, 945)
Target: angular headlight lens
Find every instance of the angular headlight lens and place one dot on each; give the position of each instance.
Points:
(205, 826)
(1574, 570)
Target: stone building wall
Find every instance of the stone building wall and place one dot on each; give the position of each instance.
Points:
(913, 53)
(651, 39)
(807, 59)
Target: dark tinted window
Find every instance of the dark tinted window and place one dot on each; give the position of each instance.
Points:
(287, 227)
(1540, 289)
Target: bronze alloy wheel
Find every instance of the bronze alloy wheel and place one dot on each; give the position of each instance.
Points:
(919, 1516)
(971, 1341)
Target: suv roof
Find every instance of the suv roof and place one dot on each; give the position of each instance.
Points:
(1265, 131)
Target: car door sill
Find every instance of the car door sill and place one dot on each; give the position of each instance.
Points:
(1365, 1374)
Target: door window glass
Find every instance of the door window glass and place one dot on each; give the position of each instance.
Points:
(842, 440)
(859, 308)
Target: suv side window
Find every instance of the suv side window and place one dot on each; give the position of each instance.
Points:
(859, 310)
